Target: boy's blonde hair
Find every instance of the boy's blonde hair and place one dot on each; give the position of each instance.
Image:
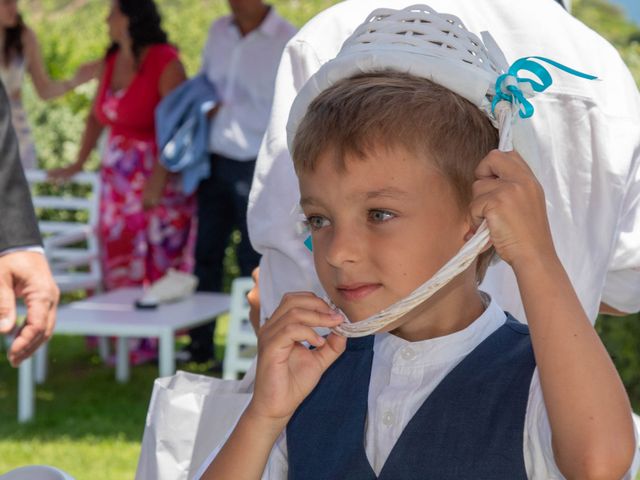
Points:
(392, 109)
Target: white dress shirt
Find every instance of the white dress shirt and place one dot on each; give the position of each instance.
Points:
(404, 374)
(243, 69)
(589, 143)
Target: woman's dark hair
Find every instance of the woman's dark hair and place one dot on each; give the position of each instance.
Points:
(13, 46)
(144, 25)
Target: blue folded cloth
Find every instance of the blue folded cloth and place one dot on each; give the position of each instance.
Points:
(182, 130)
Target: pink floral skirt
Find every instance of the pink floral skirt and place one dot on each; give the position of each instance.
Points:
(138, 246)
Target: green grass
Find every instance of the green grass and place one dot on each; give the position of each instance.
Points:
(86, 423)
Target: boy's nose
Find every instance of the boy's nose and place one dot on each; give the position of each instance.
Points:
(342, 247)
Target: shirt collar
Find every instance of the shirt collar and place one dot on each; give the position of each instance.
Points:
(395, 351)
(268, 27)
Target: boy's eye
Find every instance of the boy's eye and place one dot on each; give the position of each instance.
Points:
(316, 222)
(380, 216)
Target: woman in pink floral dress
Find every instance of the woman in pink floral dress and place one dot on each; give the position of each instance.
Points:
(145, 219)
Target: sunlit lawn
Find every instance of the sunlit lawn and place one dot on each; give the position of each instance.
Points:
(86, 423)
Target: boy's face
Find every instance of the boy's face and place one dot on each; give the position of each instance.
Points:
(380, 228)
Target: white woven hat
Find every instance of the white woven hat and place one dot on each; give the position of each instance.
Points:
(416, 40)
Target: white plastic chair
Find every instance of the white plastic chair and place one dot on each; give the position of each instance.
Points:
(242, 342)
(36, 472)
(71, 248)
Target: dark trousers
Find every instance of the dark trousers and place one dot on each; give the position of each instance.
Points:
(222, 207)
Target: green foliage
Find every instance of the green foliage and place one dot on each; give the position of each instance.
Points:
(609, 20)
(622, 338)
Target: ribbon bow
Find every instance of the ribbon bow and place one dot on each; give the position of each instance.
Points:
(508, 84)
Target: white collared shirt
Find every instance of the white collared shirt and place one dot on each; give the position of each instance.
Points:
(589, 138)
(243, 69)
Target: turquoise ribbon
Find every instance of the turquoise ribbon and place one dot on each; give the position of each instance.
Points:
(515, 95)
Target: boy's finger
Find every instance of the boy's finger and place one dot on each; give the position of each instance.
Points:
(295, 333)
(308, 318)
(328, 353)
(485, 186)
(478, 208)
(306, 300)
(504, 165)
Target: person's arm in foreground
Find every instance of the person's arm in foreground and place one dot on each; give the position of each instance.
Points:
(23, 273)
(287, 372)
(588, 408)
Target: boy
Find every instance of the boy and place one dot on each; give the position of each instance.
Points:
(395, 174)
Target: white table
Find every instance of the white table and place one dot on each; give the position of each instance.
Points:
(114, 314)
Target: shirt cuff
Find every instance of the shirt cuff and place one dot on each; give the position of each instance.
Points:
(28, 248)
(622, 290)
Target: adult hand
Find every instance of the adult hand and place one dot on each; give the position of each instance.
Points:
(62, 175)
(87, 71)
(154, 187)
(288, 371)
(26, 275)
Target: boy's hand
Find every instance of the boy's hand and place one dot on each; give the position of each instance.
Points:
(288, 371)
(507, 194)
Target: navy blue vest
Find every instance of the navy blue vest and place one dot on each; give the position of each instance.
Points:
(471, 426)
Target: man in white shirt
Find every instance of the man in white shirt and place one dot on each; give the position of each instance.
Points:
(241, 59)
(588, 138)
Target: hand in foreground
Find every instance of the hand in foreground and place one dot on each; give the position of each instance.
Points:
(288, 371)
(507, 194)
(26, 275)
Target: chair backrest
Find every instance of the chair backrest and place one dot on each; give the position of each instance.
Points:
(68, 218)
(241, 339)
(36, 472)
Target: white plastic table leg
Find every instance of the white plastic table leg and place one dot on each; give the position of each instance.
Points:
(122, 360)
(26, 401)
(40, 358)
(167, 354)
(103, 348)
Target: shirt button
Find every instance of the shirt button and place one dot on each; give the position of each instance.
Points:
(388, 418)
(408, 353)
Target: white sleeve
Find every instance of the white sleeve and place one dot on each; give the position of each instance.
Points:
(286, 265)
(30, 248)
(622, 284)
(278, 464)
(538, 450)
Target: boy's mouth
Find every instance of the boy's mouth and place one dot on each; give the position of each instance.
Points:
(357, 291)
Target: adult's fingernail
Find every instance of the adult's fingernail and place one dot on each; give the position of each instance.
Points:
(336, 316)
(5, 323)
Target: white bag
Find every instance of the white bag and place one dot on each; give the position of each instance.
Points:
(189, 416)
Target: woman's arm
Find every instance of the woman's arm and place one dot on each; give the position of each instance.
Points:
(172, 76)
(588, 408)
(44, 85)
(92, 130)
